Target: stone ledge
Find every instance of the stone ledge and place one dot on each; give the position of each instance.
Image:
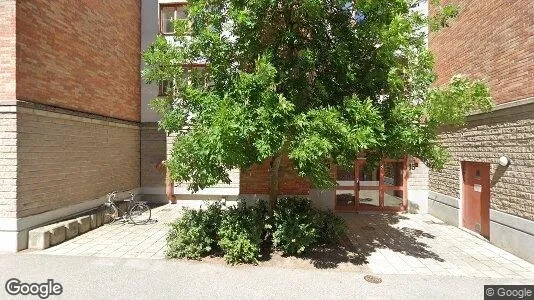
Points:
(8, 102)
(443, 199)
(510, 239)
(64, 111)
(51, 235)
(507, 105)
(514, 222)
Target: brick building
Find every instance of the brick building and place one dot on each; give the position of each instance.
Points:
(493, 41)
(69, 109)
(75, 123)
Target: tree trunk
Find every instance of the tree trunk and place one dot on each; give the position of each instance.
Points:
(273, 183)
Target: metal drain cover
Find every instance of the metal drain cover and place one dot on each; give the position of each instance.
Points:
(368, 228)
(372, 279)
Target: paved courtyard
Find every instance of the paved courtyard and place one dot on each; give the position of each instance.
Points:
(381, 244)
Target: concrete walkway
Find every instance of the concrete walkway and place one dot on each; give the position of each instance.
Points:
(422, 244)
(124, 240)
(118, 278)
(382, 244)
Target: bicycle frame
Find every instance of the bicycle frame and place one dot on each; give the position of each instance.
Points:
(133, 210)
(125, 213)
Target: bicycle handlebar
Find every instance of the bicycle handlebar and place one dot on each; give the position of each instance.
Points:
(113, 195)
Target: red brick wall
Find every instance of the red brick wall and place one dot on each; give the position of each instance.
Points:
(80, 54)
(256, 180)
(7, 50)
(493, 40)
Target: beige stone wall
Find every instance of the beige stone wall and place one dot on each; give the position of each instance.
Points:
(417, 186)
(153, 151)
(8, 161)
(65, 159)
(417, 178)
(507, 131)
(447, 181)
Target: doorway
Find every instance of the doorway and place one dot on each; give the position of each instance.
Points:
(364, 188)
(476, 197)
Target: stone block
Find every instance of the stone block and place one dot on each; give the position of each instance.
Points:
(58, 234)
(99, 218)
(93, 221)
(39, 238)
(72, 228)
(84, 224)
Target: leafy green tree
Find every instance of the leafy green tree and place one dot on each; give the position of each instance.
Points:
(319, 81)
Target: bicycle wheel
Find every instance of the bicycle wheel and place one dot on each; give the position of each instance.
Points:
(110, 213)
(140, 213)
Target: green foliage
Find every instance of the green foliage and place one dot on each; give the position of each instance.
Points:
(330, 228)
(295, 225)
(319, 81)
(194, 234)
(443, 15)
(448, 105)
(241, 234)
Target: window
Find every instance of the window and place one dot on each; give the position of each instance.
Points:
(168, 13)
(165, 88)
(193, 74)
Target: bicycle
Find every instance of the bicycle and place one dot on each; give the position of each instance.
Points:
(137, 211)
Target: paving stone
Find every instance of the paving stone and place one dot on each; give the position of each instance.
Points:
(398, 245)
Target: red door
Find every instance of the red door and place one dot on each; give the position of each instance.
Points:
(381, 189)
(476, 197)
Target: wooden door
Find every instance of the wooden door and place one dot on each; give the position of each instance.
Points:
(476, 197)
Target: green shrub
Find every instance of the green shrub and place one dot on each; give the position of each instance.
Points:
(330, 228)
(241, 233)
(295, 225)
(194, 234)
(213, 217)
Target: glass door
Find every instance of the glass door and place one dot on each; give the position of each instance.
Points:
(345, 197)
(366, 188)
(394, 184)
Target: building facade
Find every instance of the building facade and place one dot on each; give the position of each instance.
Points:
(474, 191)
(69, 109)
(389, 188)
(76, 123)
(493, 42)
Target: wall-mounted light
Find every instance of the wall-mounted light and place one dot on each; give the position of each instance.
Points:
(504, 161)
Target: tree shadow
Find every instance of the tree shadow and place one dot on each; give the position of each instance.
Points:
(370, 232)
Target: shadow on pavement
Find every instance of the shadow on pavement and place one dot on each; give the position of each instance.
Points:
(370, 232)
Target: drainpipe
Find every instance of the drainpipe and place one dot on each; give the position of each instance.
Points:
(169, 188)
(169, 184)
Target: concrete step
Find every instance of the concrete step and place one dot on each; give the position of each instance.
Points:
(45, 236)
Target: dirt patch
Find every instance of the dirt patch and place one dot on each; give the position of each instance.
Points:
(337, 258)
